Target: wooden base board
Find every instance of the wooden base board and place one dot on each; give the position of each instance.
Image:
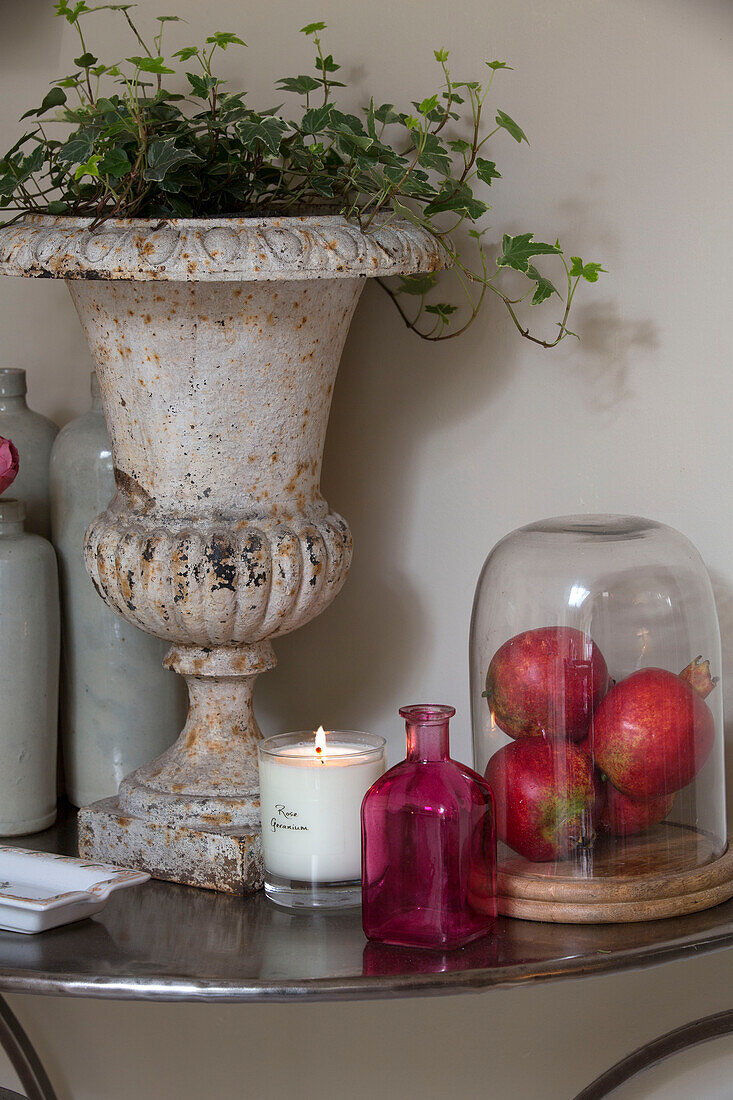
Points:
(668, 871)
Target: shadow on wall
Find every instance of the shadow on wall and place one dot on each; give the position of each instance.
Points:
(611, 343)
(610, 347)
(394, 392)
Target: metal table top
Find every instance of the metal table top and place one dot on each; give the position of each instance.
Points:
(175, 943)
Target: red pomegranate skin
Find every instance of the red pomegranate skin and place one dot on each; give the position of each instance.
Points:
(544, 795)
(599, 784)
(651, 734)
(546, 682)
(624, 816)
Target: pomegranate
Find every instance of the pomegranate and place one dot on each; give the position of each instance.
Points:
(652, 732)
(544, 794)
(624, 816)
(546, 682)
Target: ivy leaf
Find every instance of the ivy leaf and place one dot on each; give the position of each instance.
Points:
(70, 13)
(386, 114)
(433, 153)
(115, 162)
(21, 141)
(458, 198)
(262, 132)
(187, 52)
(328, 64)
(77, 148)
(545, 288)
(86, 60)
(498, 65)
(486, 170)
(441, 56)
(201, 85)
(8, 185)
(301, 85)
(162, 155)
(222, 39)
(417, 284)
(506, 123)
(316, 119)
(518, 251)
(55, 98)
(31, 164)
(105, 70)
(322, 185)
(67, 82)
(459, 145)
(350, 140)
(90, 168)
(427, 105)
(150, 64)
(589, 272)
(313, 28)
(405, 212)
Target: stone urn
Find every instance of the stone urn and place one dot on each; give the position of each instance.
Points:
(216, 343)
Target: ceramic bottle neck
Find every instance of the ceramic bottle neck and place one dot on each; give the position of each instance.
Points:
(12, 517)
(14, 403)
(12, 389)
(96, 394)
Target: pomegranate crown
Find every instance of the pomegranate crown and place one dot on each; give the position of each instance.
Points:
(697, 675)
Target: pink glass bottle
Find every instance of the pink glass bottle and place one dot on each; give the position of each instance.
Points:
(428, 844)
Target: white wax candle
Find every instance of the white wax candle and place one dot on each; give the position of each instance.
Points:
(311, 804)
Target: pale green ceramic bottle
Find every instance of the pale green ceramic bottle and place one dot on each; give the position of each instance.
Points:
(119, 706)
(29, 675)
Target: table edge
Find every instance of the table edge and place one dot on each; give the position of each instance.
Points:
(171, 988)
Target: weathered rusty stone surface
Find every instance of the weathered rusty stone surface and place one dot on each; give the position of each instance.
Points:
(216, 344)
(214, 249)
(230, 862)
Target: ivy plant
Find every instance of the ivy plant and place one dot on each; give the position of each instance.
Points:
(161, 135)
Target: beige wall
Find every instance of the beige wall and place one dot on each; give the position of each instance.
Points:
(627, 106)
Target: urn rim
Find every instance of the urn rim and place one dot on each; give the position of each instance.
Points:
(223, 249)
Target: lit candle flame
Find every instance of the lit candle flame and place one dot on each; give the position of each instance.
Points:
(320, 741)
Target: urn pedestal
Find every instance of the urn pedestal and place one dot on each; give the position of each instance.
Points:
(216, 344)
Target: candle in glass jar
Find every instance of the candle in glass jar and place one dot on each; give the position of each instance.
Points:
(311, 790)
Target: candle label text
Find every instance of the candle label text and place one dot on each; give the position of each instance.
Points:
(283, 820)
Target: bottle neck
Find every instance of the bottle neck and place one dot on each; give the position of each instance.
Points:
(7, 529)
(12, 517)
(427, 741)
(15, 403)
(96, 393)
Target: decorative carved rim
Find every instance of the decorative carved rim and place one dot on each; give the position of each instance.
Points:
(214, 249)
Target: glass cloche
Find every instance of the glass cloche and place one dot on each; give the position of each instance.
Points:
(598, 721)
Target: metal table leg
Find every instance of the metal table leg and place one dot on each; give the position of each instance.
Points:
(681, 1038)
(23, 1057)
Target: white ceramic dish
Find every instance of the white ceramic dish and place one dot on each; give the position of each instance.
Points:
(39, 890)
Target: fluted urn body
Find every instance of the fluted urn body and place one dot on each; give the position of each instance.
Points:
(217, 345)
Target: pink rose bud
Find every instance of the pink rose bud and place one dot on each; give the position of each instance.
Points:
(9, 463)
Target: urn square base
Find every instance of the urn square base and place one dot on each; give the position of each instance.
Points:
(213, 859)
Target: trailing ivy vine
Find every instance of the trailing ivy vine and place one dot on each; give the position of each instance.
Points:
(114, 140)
